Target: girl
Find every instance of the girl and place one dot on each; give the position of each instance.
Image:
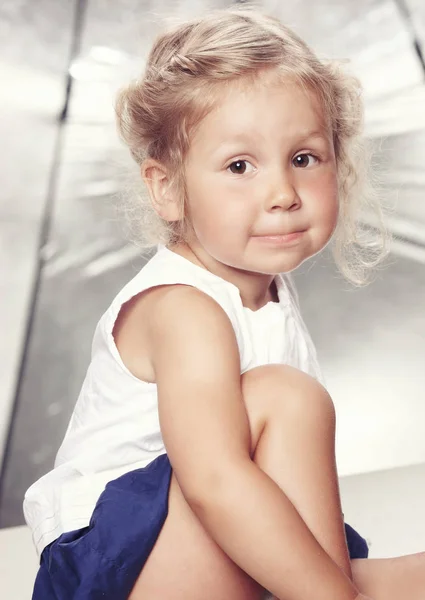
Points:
(249, 149)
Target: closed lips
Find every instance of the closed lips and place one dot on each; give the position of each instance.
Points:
(279, 234)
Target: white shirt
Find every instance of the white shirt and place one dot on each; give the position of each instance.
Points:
(115, 428)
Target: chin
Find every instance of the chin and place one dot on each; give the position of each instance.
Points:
(282, 266)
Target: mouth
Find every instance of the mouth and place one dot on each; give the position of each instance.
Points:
(280, 238)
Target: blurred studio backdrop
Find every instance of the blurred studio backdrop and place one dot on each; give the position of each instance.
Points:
(64, 248)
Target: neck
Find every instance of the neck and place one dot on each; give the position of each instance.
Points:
(256, 289)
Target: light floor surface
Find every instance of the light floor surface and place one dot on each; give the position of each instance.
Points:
(64, 250)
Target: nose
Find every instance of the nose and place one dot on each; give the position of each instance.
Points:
(282, 194)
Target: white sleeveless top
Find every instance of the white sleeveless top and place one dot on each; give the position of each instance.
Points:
(115, 426)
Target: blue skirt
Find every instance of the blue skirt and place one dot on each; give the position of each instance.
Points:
(104, 560)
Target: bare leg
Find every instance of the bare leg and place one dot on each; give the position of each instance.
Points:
(399, 578)
(292, 425)
(186, 564)
(292, 434)
(297, 450)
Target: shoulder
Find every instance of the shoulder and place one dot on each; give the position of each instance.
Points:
(183, 317)
(168, 319)
(183, 302)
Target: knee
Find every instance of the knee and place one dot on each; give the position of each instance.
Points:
(271, 390)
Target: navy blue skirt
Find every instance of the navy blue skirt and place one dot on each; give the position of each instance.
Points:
(104, 560)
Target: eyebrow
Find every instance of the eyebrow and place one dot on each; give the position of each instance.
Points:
(317, 133)
(244, 137)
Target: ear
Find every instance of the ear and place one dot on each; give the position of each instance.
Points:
(162, 194)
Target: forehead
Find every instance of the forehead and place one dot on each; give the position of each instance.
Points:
(264, 107)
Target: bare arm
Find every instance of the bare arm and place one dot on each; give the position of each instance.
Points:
(206, 432)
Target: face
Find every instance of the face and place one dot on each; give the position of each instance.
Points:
(261, 179)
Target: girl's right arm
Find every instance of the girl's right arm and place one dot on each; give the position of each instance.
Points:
(205, 427)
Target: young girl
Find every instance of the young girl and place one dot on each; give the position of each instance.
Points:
(199, 462)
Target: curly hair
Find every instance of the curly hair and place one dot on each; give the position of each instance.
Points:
(185, 71)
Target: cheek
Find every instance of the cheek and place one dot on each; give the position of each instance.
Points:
(212, 207)
(207, 215)
(327, 205)
(331, 207)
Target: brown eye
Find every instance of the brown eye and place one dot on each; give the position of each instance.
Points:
(304, 160)
(239, 167)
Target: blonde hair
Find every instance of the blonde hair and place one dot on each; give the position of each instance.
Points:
(188, 65)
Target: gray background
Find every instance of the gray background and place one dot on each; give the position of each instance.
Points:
(64, 250)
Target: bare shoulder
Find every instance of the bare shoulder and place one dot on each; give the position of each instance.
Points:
(189, 328)
(174, 304)
(165, 318)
